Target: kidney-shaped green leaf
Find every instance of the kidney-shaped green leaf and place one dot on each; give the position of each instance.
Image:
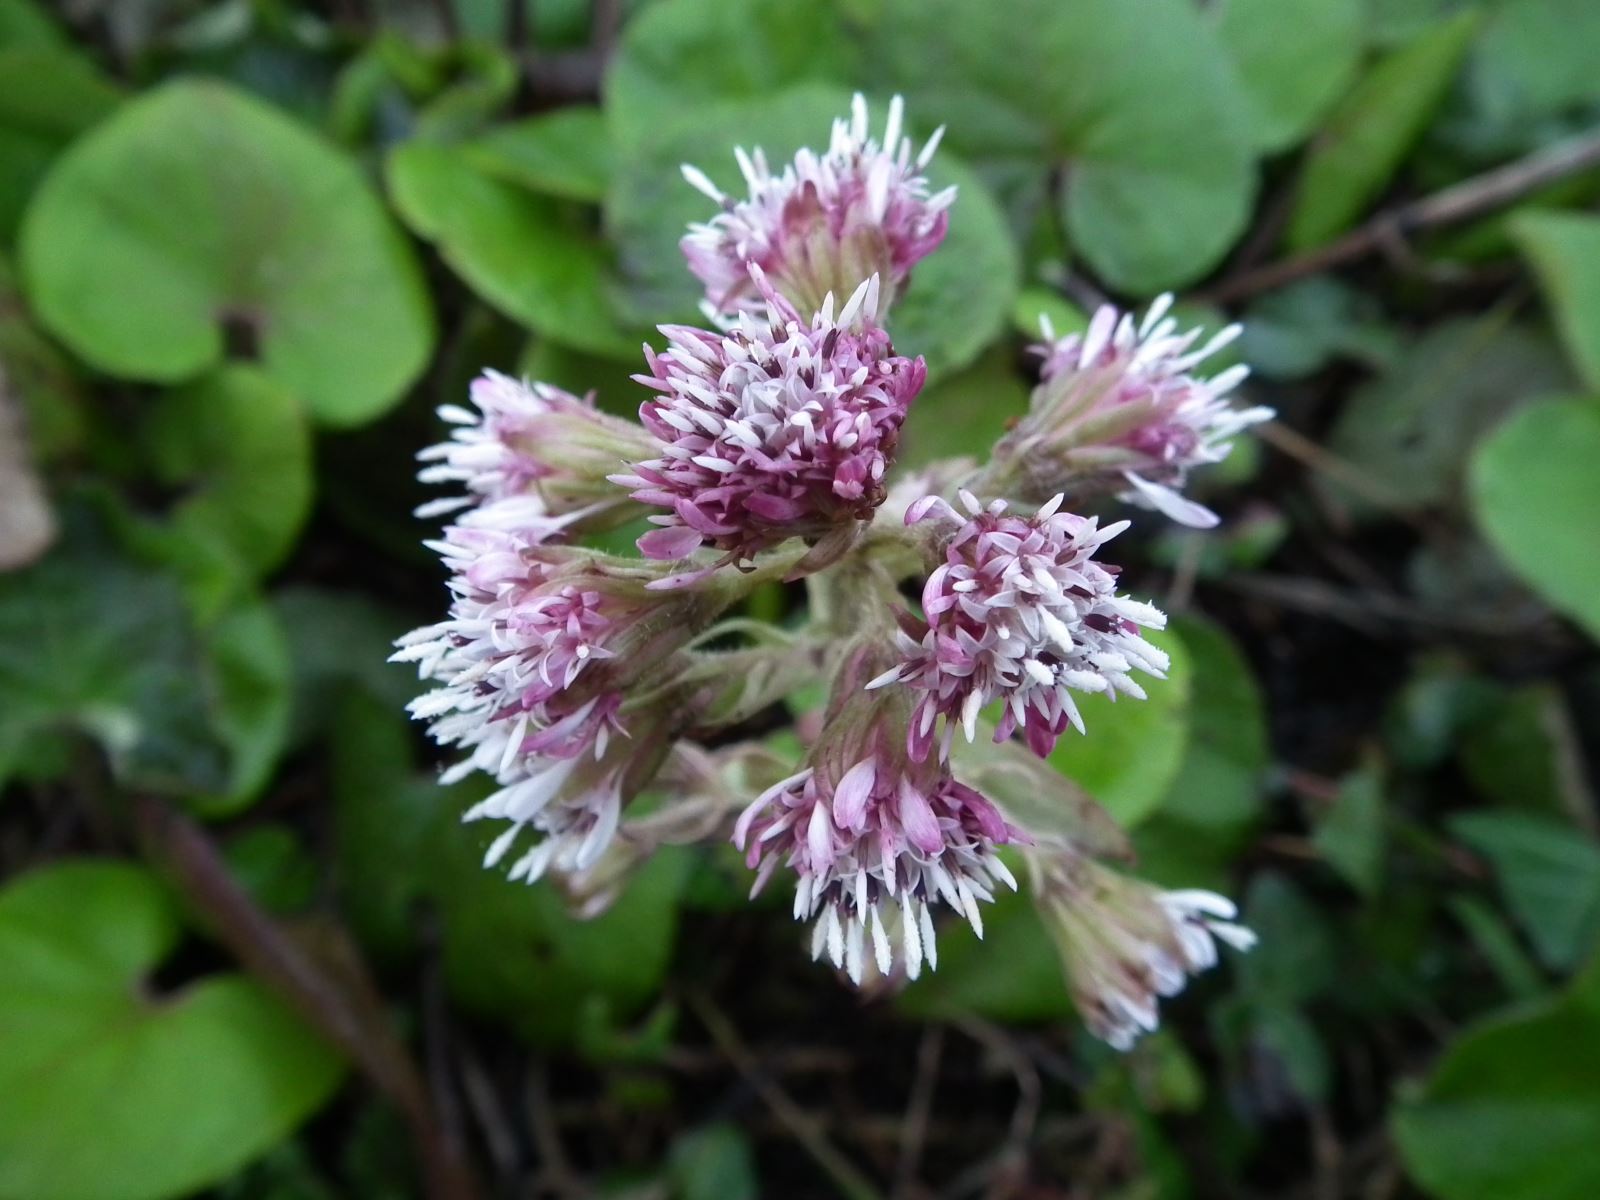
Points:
(197, 215)
(1513, 1110)
(528, 255)
(1135, 98)
(1564, 249)
(1133, 749)
(1536, 489)
(236, 441)
(1293, 57)
(111, 1091)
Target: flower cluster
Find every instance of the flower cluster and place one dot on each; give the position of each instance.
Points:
(827, 222)
(777, 427)
(1120, 405)
(1019, 611)
(528, 686)
(576, 678)
(876, 840)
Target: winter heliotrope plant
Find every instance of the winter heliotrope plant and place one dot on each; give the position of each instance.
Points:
(956, 617)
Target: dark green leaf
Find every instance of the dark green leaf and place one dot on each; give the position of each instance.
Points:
(713, 1163)
(1351, 835)
(1550, 876)
(69, 627)
(1564, 249)
(47, 97)
(1536, 490)
(1294, 57)
(1513, 1110)
(1412, 430)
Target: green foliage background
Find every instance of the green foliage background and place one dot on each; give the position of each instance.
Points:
(247, 247)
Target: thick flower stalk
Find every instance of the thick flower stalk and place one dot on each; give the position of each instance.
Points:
(1019, 611)
(533, 458)
(1124, 943)
(826, 222)
(777, 427)
(1120, 407)
(876, 841)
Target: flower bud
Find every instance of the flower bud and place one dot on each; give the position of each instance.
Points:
(826, 223)
(1019, 612)
(775, 428)
(1119, 407)
(1125, 943)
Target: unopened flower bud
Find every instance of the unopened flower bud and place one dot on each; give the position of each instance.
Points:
(825, 223)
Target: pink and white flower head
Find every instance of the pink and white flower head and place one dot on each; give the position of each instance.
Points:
(1121, 404)
(777, 427)
(825, 223)
(1018, 612)
(535, 458)
(876, 841)
(1125, 943)
(532, 665)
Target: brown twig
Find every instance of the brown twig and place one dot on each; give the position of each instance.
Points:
(269, 953)
(1470, 198)
(847, 1178)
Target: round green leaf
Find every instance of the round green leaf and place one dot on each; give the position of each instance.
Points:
(47, 97)
(1294, 57)
(561, 153)
(197, 210)
(111, 1092)
(1133, 749)
(1216, 797)
(1564, 249)
(528, 255)
(685, 55)
(1536, 491)
(1155, 189)
(238, 442)
(1513, 1110)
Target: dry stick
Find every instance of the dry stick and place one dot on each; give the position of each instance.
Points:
(259, 943)
(846, 1177)
(1470, 198)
